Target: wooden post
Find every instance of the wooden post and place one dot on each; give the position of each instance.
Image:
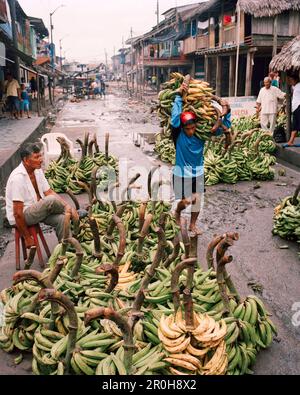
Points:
(275, 36)
(193, 71)
(249, 70)
(288, 109)
(206, 70)
(238, 48)
(218, 75)
(231, 75)
(38, 94)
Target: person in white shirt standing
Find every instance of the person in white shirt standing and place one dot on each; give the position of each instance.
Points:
(293, 80)
(30, 200)
(267, 104)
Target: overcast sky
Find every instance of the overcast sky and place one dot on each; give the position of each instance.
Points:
(91, 26)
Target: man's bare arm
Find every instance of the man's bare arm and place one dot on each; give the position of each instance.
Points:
(18, 208)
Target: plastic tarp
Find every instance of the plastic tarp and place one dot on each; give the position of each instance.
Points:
(170, 36)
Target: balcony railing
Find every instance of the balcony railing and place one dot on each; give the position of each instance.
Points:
(192, 44)
(189, 45)
(202, 42)
(229, 35)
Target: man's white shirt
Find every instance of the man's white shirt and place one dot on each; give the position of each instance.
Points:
(268, 98)
(19, 188)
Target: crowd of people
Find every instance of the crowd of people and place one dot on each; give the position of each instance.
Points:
(17, 96)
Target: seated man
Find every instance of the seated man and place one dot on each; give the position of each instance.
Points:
(29, 199)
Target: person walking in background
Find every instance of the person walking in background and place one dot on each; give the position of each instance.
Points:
(293, 80)
(24, 105)
(224, 124)
(33, 87)
(267, 104)
(13, 93)
(102, 88)
(274, 79)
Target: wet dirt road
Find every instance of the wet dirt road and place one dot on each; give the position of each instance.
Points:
(242, 208)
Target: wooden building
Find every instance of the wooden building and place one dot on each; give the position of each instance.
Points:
(288, 61)
(160, 51)
(222, 30)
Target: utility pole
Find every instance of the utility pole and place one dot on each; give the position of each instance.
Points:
(12, 7)
(132, 78)
(106, 64)
(158, 69)
(238, 48)
(275, 35)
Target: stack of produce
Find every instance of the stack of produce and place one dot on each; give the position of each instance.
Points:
(244, 124)
(248, 158)
(114, 305)
(198, 99)
(68, 174)
(287, 217)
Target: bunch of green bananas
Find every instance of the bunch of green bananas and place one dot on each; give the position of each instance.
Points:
(99, 346)
(250, 159)
(165, 149)
(243, 124)
(287, 219)
(198, 99)
(260, 166)
(65, 173)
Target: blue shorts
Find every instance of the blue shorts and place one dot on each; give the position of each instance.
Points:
(24, 105)
(13, 103)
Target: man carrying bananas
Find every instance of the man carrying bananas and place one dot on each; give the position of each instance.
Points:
(188, 173)
(29, 199)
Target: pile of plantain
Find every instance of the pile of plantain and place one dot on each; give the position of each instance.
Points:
(68, 174)
(134, 300)
(248, 157)
(287, 217)
(198, 99)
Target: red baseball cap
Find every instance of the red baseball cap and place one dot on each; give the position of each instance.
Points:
(187, 117)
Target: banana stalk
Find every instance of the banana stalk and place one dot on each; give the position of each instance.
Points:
(79, 255)
(107, 313)
(58, 297)
(60, 263)
(149, 274)
(175, 253)
(94, 228)
(189, 262)
(185, 237)
(142, 211)
(106, 146)
(44, 281)
(222, 247)
(143, 234)
(111, 269)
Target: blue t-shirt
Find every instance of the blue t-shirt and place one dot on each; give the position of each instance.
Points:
(24, 95)
(189, 150)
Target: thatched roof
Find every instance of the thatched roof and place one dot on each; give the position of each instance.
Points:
(288, 58)
(268, 8)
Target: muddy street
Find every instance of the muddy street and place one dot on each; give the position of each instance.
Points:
(263, 264)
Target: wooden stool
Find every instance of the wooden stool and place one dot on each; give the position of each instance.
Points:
(34, 231)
